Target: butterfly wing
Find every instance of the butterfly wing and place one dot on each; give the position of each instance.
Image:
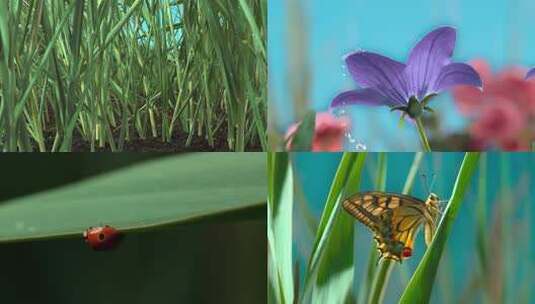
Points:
(393, 218)
(429, 230)
(406, 221)
(368, 208)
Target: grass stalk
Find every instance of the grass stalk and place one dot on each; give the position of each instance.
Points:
(380, 185)
(421, 284)
(333, 226)
(280, 210)
(382, 275)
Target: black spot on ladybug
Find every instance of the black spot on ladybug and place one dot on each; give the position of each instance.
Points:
(102, 238)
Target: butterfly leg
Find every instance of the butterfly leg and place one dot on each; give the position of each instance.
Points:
(379, 259)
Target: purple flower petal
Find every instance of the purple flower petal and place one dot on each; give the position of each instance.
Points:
(456, 74)
(530, 73)
(381, 73)
(427, 59)
(366, 96)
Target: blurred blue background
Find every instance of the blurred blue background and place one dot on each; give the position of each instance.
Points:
(499, 31)
(512, 256)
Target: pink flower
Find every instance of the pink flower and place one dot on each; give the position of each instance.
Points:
(500, 120)
(508, 84)
(514, 144)
(469, 99)
(504, 112)
(329, 133)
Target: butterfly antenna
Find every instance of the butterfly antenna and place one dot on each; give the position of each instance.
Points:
(433, 180)
(428, 185)
(423, 176)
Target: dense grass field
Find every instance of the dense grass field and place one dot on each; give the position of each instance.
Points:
(132, 75)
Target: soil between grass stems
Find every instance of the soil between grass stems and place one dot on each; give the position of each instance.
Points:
(155, 144)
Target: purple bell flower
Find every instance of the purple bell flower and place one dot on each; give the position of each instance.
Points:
(407, 87)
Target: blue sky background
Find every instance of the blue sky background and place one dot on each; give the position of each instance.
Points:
(315, 171)
(500, 31)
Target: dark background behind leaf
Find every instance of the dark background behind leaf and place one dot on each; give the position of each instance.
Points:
(221, 259)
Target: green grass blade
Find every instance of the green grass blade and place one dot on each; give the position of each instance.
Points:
(371, 268)
(421, 284)
(4, 31)
(254, 27)
(115, 30)
(302, 140)
(334, 193)
(167, 191)
(280, 205)
(336, 267)
(20, 105)
(343, 175)
(481, 215)
(382, 275)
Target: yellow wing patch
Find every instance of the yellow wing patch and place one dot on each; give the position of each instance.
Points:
(394, 220)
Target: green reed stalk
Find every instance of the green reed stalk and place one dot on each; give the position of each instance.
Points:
(329, 273)
(382, 275)
(421, 284)
(280, 210)
(380, 185)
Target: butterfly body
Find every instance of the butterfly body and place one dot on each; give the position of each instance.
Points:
(394, 219)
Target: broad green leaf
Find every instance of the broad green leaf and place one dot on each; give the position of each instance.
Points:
(167, 191)
(421, 284)
(280, 205)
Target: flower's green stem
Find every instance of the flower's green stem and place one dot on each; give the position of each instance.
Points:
(421, 132)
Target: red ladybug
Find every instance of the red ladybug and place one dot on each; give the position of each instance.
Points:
(102, 238)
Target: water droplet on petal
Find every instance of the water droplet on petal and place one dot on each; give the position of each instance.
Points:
(360, 147)
(339, 112)
(353, 143)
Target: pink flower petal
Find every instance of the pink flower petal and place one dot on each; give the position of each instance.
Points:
(328, 133)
